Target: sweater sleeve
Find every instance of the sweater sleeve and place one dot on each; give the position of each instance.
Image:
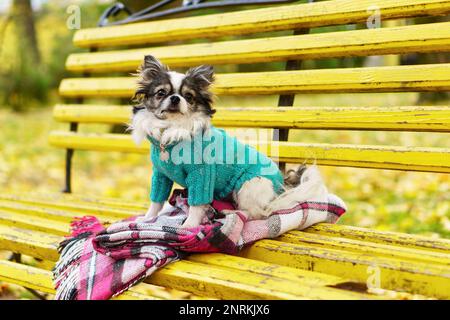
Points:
(200, 184)
(161, 187)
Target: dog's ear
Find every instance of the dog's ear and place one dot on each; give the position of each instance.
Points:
(201, 75)
(151, 67)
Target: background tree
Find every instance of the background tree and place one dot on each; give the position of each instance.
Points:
(24, 24)
(23, 79)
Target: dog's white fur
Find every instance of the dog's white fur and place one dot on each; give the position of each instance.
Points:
(311, 187)
(176, 79)
(256, 196)
(178, 127)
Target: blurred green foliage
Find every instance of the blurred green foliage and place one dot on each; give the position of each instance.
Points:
(24, 82)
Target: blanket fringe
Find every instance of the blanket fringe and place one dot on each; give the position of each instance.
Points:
(66, 271)
(85, 224)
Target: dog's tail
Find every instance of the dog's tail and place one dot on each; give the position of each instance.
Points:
(293, 176)
(302, 184)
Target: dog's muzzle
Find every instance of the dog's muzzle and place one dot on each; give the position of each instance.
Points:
(174, 104)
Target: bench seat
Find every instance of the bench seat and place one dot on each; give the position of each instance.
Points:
(325, 262)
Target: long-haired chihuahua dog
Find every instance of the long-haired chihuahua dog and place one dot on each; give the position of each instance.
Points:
(175, 109)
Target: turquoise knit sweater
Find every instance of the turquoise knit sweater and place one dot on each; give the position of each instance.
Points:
(210, 166)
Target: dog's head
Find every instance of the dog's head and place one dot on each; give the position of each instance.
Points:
(178, 104)
(170, 95)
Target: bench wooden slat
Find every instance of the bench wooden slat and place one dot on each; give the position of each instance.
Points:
(227, 283)
(255, 266)
(338, 258)
(383, 237)
(40, 222)
(77, 203)
(360, 247)
(217, 281)
(46, 224)
(433, 37)
(430, 77)
(21, 220)
(26, 276)
(231, 283)
(364, 247)
(286, 17)
(215, 259)
(32, 205)
(395, 274)
(414, 118)
(36, 244)
(39, 279)
(44, 208)
(99, 201)
(386, 157)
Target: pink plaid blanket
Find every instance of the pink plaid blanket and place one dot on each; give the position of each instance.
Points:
(98, 263)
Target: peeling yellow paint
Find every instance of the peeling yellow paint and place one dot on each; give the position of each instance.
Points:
(386, 157)
(287, 17)
(419, 38)
(414, 118)
(430, 77)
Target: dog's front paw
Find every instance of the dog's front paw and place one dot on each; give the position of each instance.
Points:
(195, 216)
(190, 224)
(192, 221)
(153, 210)
(151, 214)
(146, 218)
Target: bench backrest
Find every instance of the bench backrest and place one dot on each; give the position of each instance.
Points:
(117, 51)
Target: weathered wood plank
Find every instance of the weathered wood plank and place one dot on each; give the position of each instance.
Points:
(414, 118)
(223, 261)
(402, 268)
(62, 200)
(38, 279)
(407, 253)
(21, 220)
(430, 77)
(61, 211)
(367, 248)
(383, 237)
(393, 273)
(203, 279)
(286, 17)
(43, 206)
(433, 37)
(386, 157)
(231, 282)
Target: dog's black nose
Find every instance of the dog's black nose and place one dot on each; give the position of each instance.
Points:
(175, 99)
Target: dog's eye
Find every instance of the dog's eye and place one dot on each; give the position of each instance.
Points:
(161, 93)
(189, 97)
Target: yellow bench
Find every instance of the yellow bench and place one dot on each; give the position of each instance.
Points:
(325, 262)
